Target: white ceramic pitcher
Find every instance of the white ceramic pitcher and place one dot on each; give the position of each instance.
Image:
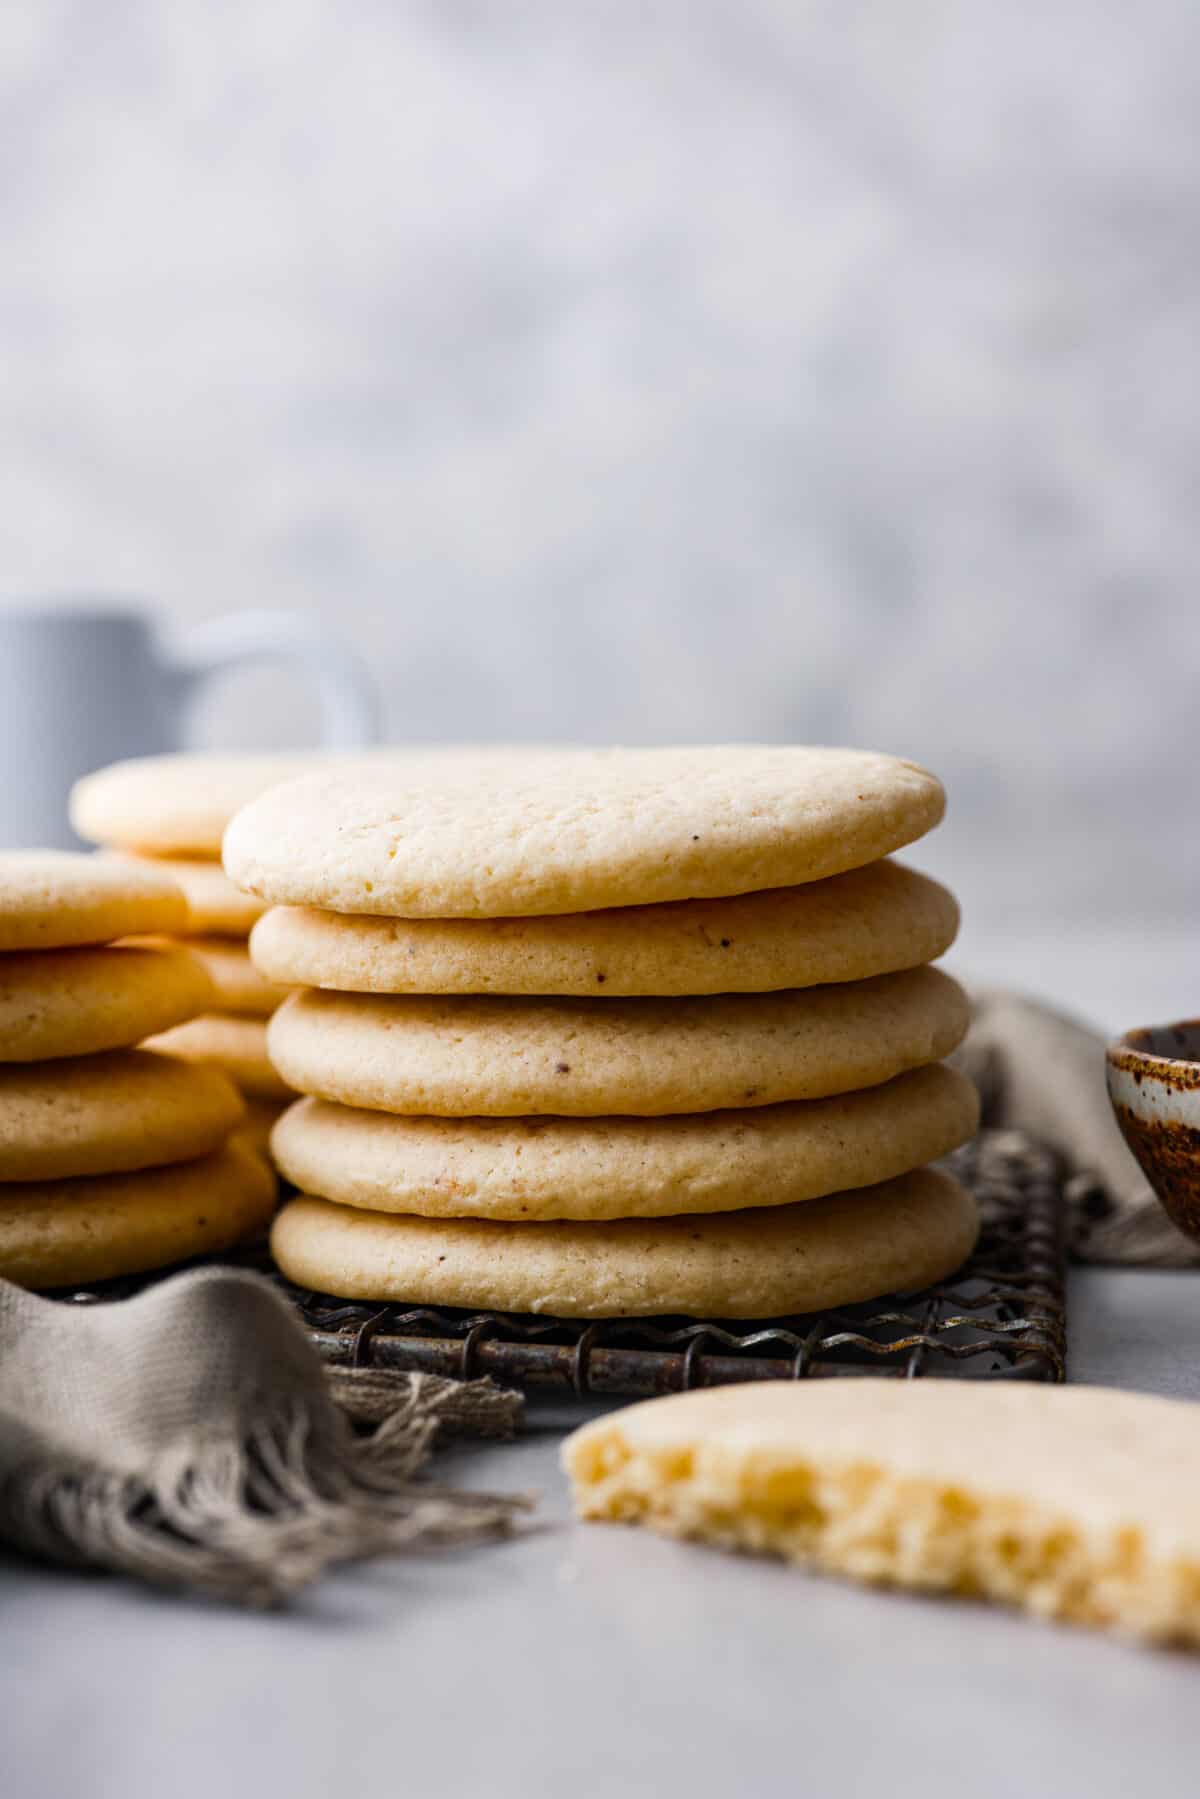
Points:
(84, 682)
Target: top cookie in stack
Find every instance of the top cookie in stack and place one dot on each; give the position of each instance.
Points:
(612, 1031)
(169, 813)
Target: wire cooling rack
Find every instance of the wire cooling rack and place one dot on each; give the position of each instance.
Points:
(1003, 1316)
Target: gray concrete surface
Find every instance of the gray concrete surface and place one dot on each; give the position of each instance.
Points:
(600, 1661)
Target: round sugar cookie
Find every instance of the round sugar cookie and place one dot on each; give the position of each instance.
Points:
(894, 1237)
(870, 921)
(506, 833)
(592, 1169)
(262, 1115)
(461, 1057)
(215, 907)
(110, 1113)
(180, 804)
(176, 805)
(237, 1045)
(73, 1002)
(70, 1233)
(53, 899)
(235, 983)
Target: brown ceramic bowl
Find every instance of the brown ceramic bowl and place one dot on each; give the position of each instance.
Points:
(1154, 1086)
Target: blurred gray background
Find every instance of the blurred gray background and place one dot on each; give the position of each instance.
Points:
(643, 372)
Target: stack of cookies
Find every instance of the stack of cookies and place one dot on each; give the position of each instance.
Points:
(112, 1159)
(171, 812)
(605, 1033)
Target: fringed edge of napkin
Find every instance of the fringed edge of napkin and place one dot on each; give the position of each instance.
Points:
(255, 1521)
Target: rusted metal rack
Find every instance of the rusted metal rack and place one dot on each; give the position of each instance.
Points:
(1003, 1316)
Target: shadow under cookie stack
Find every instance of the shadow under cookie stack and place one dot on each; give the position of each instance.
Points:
(169, 813)
(612, 1033)
(112, 1159)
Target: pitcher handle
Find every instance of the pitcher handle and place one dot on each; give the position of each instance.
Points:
(347, 695)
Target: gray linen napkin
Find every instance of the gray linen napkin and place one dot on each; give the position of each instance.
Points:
(191, 1436)
(1042, 1072)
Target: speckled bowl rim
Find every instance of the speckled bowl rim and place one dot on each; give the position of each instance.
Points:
(1128, 1053)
